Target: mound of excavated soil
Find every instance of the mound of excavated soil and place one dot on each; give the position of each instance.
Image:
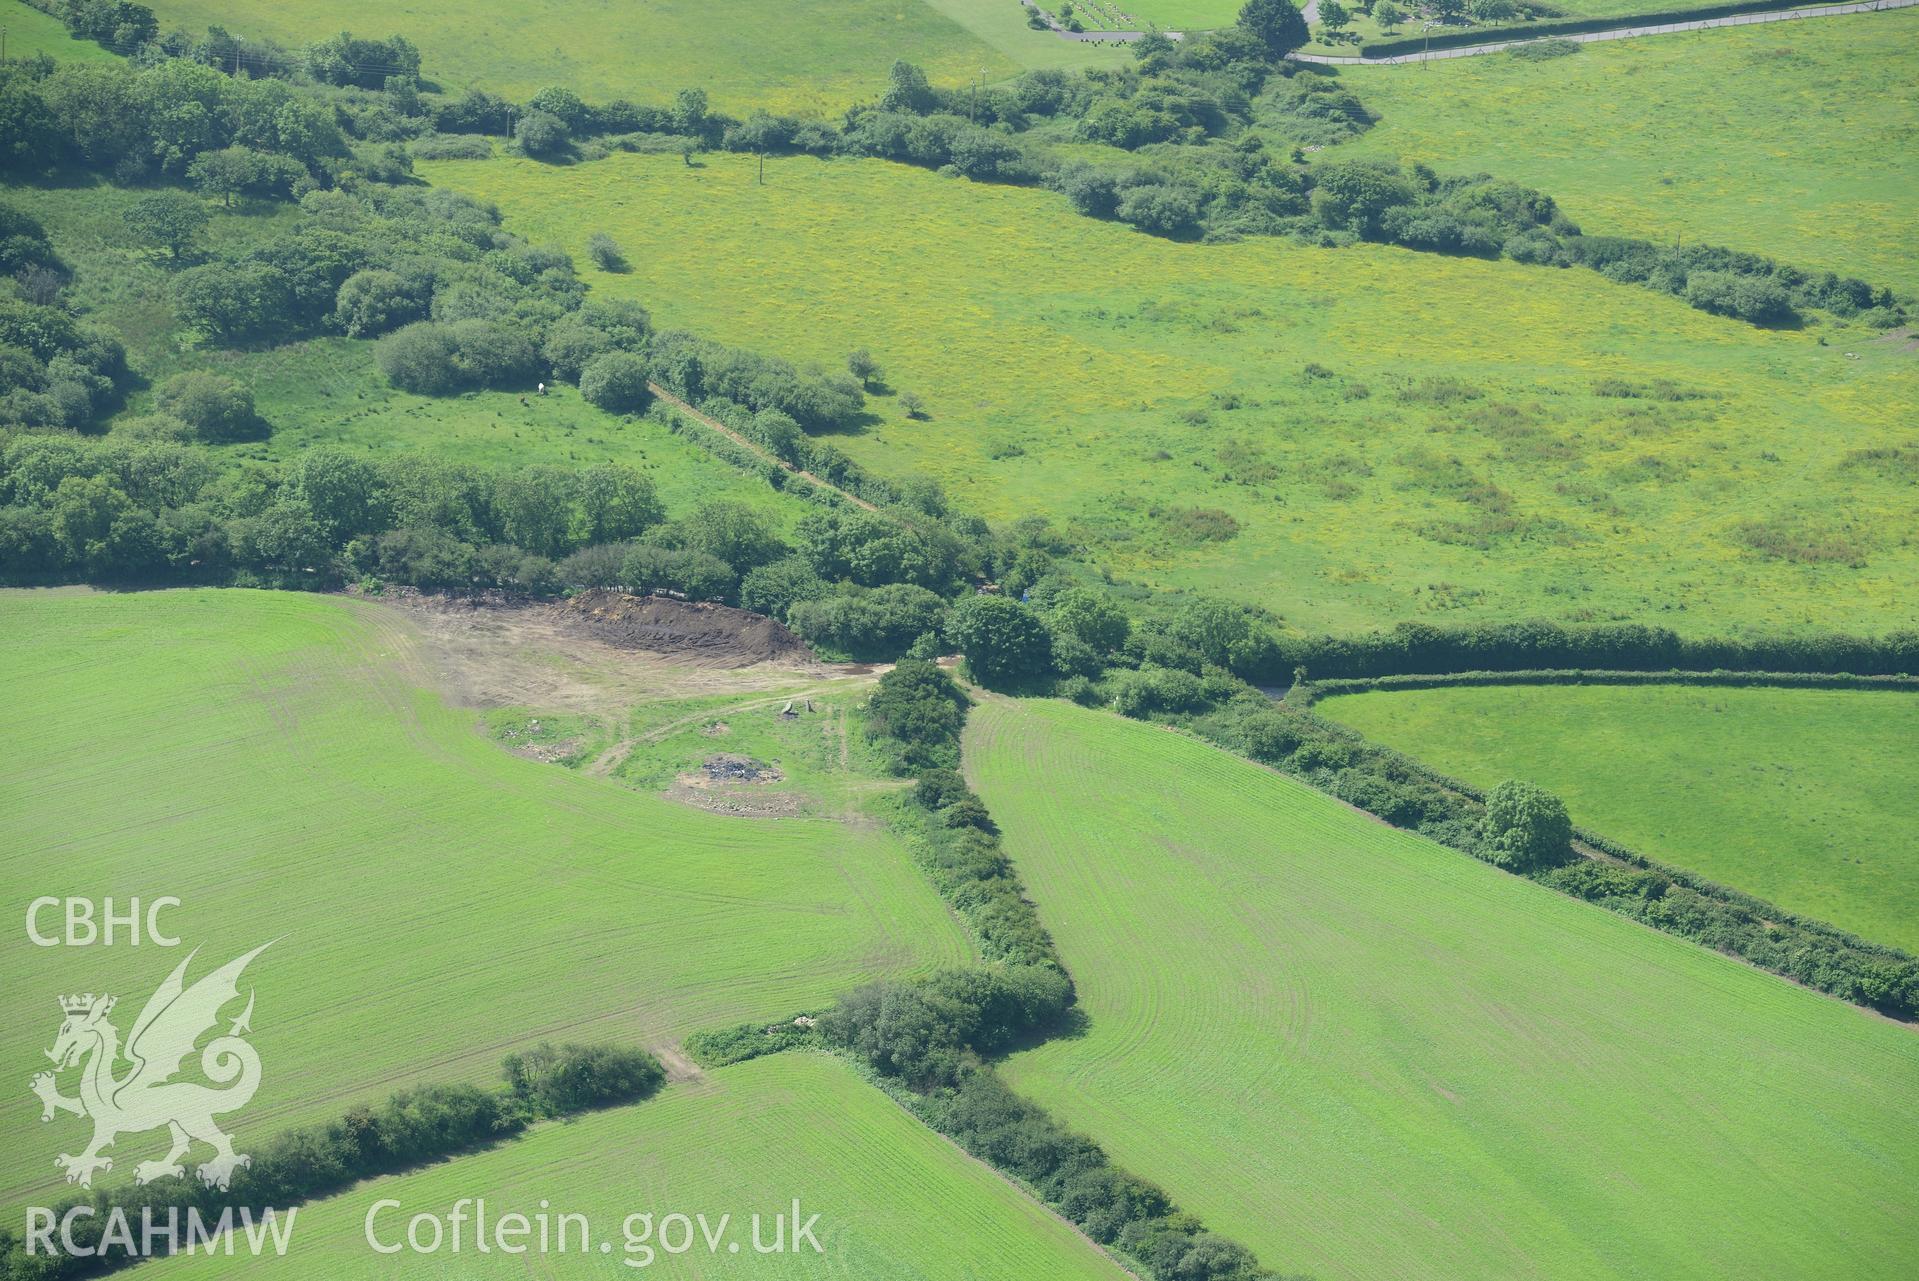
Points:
(730, 767)
(714, 633)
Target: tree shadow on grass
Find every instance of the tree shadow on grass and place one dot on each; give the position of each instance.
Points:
(1074, 1025)
(856, 425)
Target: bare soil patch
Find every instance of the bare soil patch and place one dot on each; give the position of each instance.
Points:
(495, 650)
(700, 630)
(731, 767)
(557, 751)
(730, 783)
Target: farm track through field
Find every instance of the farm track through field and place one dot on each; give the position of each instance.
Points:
(707, 420)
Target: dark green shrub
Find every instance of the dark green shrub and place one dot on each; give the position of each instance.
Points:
(1005, 643)
(543, 134)
(1157, 689)
(1526, 827)
(234, 302)
(772, 589)
(420, 358)
(560, 1081)
(617, 382)
(1746, 297)
(917, 709)
(372, 302)
(215, 406)
(874, 624)
(605, 252)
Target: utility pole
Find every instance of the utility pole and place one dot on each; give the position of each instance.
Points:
(3, 44)
(762, 168)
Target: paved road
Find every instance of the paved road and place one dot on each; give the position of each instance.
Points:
(1311, 13)
(1618, 33)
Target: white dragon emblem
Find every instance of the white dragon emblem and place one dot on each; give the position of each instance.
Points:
(144, 1098)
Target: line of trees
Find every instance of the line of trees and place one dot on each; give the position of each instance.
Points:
(1210, 175)
(1191, 666)
(134, 31)
(148, 506)
(1422, 649)
(932, 1040)
(411, 1128)
(1516, 826)
(55, 370)
(1191, 103)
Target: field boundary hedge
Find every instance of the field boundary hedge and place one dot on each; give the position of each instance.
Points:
(1311, 692)
(1417, 649)
(413, 1128)
(1546, 28)
(928, 1043)
(1750, 903)
(1282, 732)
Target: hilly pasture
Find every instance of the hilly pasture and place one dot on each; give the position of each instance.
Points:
(31, 33)
(283, 764)
(1392, 434)
(1807, 798)
(1794, 140)
(1366, 1055)
(787, 55)
(327, 390)
(894, 1199)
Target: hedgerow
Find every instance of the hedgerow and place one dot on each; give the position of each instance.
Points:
(411, 1128)
(929, 1041)
(1418, 648)
(1288, 736)
(1559, 676)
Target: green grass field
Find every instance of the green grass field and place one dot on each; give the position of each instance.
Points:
(1793, 140)
(1806, 798)
(1366, 1055)
(1397, 434)
(327, 390)
(1179, 15)
(279, 763)
(788, 55)
(31, 33)
(1205, 15)
(894, 1199)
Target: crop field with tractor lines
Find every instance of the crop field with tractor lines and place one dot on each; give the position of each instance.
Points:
(1415, 1064)
(1059, 652)
(288, 745)
(894, 1200)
